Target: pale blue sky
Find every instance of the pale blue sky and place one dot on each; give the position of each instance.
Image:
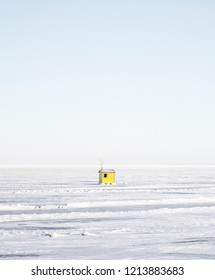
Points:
(128, 81)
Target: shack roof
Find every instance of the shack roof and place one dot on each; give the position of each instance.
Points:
(107, 171)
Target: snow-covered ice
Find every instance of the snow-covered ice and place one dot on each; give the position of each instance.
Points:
(153, 212)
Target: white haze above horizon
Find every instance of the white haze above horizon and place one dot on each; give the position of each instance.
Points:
(128, 82)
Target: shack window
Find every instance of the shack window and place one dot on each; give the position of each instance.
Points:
(105, 175)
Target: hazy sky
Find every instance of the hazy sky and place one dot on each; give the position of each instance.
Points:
(131, 82)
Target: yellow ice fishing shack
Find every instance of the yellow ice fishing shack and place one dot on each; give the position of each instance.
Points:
(106, 176)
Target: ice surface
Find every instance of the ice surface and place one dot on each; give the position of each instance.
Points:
(151, 213)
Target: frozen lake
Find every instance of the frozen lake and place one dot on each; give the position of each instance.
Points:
(158, 212)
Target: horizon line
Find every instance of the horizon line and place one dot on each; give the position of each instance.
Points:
(98, 165)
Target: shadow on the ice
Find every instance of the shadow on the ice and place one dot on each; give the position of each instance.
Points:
(191, 241)
(15, 256)
(88, 183)
(189, 256)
